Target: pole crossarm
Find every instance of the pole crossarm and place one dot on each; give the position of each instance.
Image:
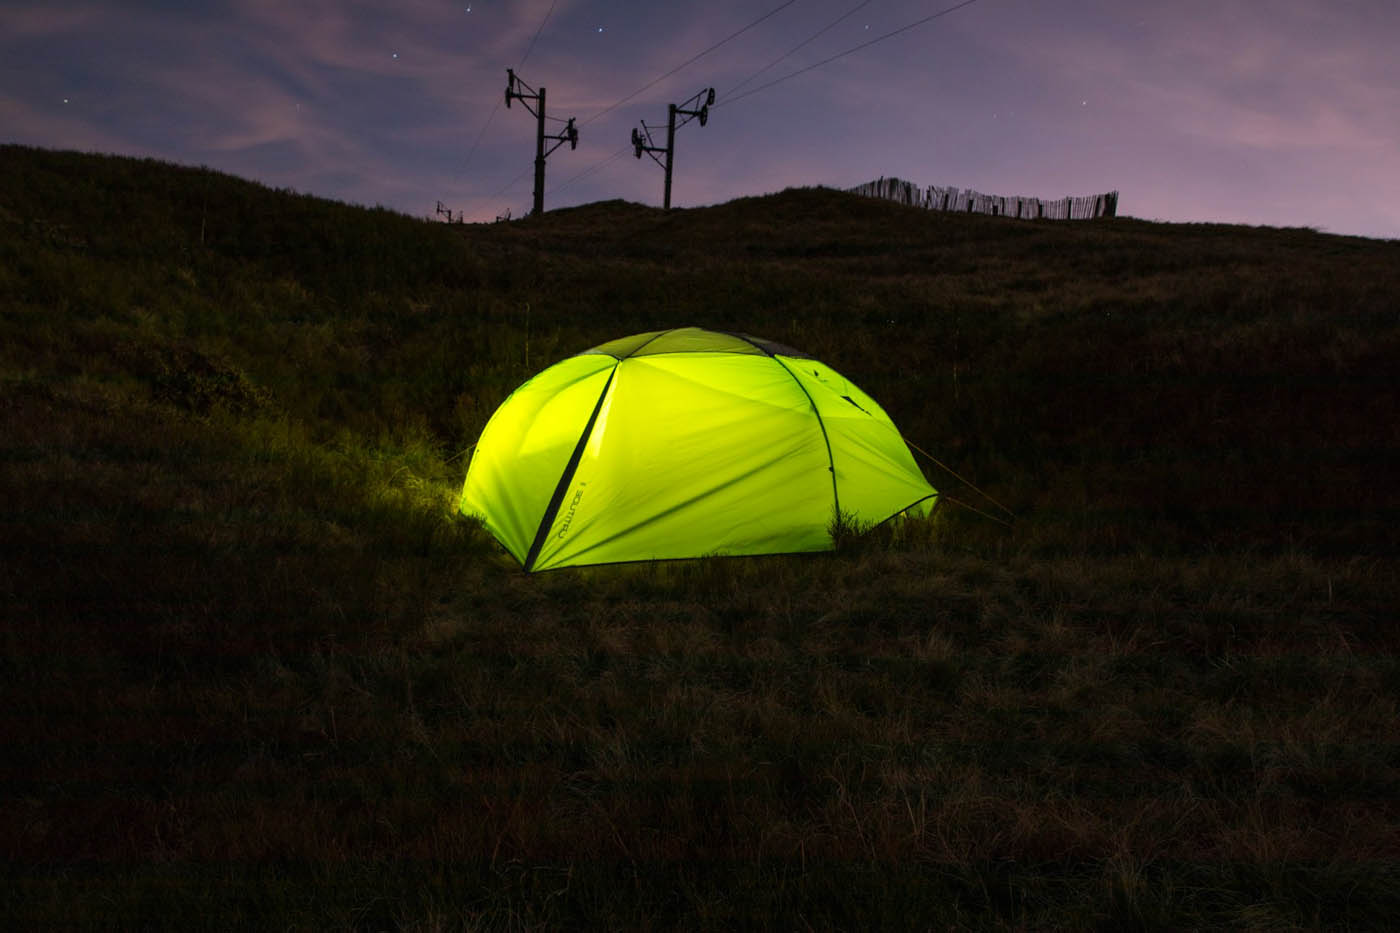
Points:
(693, 109)
(569, 135)
(642, 142)
(513, 80)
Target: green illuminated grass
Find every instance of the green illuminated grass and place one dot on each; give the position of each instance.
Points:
(257, 673)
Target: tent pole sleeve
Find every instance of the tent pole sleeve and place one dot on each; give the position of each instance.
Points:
(830, 462)
(566, 478)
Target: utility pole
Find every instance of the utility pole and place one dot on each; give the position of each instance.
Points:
(569, 135)
(691, 110)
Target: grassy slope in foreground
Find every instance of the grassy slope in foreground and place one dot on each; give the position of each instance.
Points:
(258, 673)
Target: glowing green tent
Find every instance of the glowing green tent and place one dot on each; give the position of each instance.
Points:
(684, 443)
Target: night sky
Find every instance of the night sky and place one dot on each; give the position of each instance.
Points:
(1279, 112)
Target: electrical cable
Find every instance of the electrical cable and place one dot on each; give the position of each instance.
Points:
(531, 47)
(864, 45)
(480, 135)
(492, 115)
(694, 58)
(592, 169)
(801, 45)
(598, 166)
(511, 184)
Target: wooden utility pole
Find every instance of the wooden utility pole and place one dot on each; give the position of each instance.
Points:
(569, 135)
(691, 110)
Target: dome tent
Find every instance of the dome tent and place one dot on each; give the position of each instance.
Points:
(685, 443)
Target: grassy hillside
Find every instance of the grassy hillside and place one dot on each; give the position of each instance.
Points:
(258, 673)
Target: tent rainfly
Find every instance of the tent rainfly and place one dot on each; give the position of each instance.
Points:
(685, 443)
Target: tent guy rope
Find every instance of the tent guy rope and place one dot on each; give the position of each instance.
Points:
(954, 473)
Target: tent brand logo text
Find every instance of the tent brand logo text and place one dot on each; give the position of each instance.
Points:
(569, 516)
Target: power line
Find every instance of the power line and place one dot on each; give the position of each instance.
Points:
(511, 184)
(864, 45)
(804, 43)
(531, 47)
(603, 163)
(780, 7)
(591, 170)
(481, 134)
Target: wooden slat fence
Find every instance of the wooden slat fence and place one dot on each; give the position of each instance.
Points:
(967, 201)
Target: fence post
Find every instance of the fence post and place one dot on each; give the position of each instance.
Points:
(971, 201)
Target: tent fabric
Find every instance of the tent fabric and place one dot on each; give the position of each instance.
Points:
(685, 443)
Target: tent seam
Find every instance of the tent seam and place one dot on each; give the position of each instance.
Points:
(653, 339)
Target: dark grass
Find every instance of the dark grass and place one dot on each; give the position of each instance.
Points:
(257, 673)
